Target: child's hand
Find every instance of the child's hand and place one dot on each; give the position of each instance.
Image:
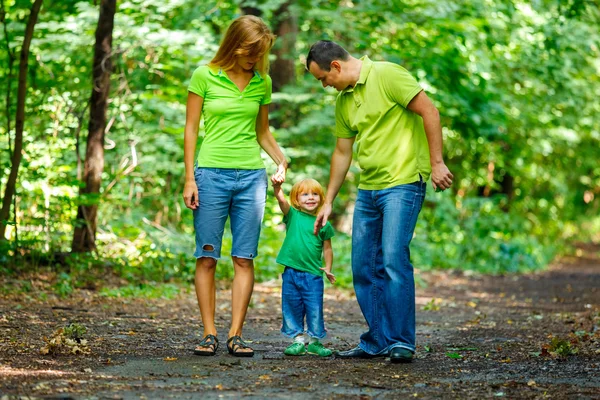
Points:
(276, 181)
(329, 275)
(279, 176)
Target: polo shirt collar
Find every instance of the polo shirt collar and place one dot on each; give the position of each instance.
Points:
(365, 69)
(220, 72)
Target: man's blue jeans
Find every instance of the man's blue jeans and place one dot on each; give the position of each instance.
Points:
(383, 226)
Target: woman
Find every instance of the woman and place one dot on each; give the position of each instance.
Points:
(232, 93)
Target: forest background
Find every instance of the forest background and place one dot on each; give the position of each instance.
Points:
(516, 82)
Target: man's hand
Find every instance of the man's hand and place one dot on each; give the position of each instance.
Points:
(441, 177)
(322, 217)
(329, 275)
(190, 195)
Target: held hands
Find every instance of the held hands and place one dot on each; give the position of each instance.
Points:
(322, 217)
(279, 177)
(276, 183)
(190, 195)
(441, 177)
(329, 275)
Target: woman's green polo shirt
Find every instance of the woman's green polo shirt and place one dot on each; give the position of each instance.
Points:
(391, 144)
(229, 118)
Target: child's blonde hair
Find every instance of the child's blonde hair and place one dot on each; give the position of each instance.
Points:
(246, 36)
(307, 185)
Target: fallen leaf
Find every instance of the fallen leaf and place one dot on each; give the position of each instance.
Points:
(170, 359)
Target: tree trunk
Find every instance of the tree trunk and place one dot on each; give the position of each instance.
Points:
(20, 119)
(9, 79)
(285, 28)
(84, 237)
(250, 10)
(508, 188)
(283, 70)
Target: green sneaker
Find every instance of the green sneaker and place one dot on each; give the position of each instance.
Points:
(318, 349)
(295, 349)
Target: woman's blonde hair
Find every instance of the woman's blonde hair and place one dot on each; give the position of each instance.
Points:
(247, 35)
(307, 185)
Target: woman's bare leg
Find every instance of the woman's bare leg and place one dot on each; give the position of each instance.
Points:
(206, 293)
(241, 292)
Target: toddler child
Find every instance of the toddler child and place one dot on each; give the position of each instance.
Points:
(302, 255)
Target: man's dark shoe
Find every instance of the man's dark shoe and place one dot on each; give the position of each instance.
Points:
(400, 355)
(356, 352)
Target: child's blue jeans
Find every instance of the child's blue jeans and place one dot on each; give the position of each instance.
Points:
(302, 295)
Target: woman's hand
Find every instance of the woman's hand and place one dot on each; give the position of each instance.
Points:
(190, 195)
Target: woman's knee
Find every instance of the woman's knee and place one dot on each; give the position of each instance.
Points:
(243, 263)
(206, 263)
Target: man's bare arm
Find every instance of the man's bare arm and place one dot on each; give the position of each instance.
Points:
(340, 163)
(422, 105)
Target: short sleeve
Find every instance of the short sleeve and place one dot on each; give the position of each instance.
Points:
(342, 125)
(399, 85)
(268, 90)
(199, 81)
(326, 232)
(287, 218)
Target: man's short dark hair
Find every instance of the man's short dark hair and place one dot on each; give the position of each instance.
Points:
(324, 52)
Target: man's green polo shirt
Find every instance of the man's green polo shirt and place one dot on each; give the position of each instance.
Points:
(390, 139)
(229, 118)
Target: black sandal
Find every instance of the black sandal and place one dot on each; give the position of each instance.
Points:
(235, 344)
(208, 346)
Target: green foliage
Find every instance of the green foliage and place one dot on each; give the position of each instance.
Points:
(432, 305)
(64, 285)
(67, 340)
(516, 84)
(75, 331)
(561, 347)
(477, 235)
(151, 290)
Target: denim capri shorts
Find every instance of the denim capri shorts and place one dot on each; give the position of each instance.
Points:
(239, 194)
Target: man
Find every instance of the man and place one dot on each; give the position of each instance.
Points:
(398, 135)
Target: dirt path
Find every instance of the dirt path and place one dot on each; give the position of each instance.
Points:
(479, 337)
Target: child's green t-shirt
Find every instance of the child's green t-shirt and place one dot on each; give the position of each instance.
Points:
(302, 249)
